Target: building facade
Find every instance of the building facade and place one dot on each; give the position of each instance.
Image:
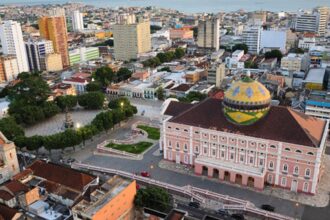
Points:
(55, 30)
(244, 140)
(181, 33)
(216, 74)
(8, 159)
(35, 50)
(8, 68)
(51, 62)
(209, 33)
(252, 38)
(77, 21)
(316, 21)
(131, 39)
(83, 54)
(12, 43)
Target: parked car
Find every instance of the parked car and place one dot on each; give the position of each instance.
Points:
(268, 207)
(238, 216)
(145, 174)
(194, 204)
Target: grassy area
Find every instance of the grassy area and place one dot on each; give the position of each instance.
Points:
(153, 133)
(131, 148)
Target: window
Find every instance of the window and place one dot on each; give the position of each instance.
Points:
(196, 132)
(270, 178)
(287, 149)
(305, 187)
(185, 147)
(196, 149)
(185, 130)
(283, 181)
(169, 143)
(296, 170)
(310, 153)
(232, 156)
(214, 137)
(170, 155)
(285, 168)
(252, 144)
(213, 152)
(177, 145)
(241, 158)
(261, 162)
(251, 160)
(271, 146)
(298, 151)
(307, 172)
(222, 154)
(205, 150)
(169, 127)
(178, 129)
(271, 165)
(242, 142)
(186, 159)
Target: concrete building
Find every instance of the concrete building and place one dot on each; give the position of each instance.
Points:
(83, 54)
(234, 62)
(54, 29)
(209, 33)
(8, 160)
(308, 41)
(252, 38)
(258, 17)
(8, 68)
(51, 62)
(131, 40)
(35, 50)
(295, 62)
(317, 104)
(315, 79)
(77, 21)
(315, 21)
(113, 200)
(12, 43)
(273, 39)
(216, 74)
(246, 141)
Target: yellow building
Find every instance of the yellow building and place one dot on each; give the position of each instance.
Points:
(52, 62)
(54, 29)
(131, 40)
(113, 200)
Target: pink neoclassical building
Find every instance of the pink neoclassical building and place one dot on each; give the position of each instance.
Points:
(244, 140)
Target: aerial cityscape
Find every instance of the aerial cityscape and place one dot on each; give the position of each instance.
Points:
(171, 110)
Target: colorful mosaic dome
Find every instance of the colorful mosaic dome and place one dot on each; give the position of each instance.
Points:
(246, 101)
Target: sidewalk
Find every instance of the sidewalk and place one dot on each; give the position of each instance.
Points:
(320, 199)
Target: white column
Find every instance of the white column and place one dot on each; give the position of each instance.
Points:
(278, 163)
(191, 147)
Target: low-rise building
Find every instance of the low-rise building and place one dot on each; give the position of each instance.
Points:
(315, 79)
(8, 68)
(234, 62)
(317, 104)
(307, 41)
(268, 64)
(112, 200)
(295, 62)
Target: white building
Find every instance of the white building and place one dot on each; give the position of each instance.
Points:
(35, 50)
(252, 38)
(209, 33)
(315, 21)
(307, 41)
(233, 62)
(295, 62)
(77, 21)
(13, 44)
(273, 39)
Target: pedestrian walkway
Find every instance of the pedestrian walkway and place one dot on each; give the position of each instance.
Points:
(320, 199)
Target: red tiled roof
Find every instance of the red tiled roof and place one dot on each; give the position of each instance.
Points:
(182, 87)
(11, 189)
(176, 108)
(62, 175)
(7, 213)
(280, 124)
(77, 80)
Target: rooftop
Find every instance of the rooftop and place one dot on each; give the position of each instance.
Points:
(280, 124)
(315, 75)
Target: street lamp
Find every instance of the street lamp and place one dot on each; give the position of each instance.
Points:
(78, 125)
(122, 104)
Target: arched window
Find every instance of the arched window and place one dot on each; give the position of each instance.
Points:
(305, 187)
(285, 167)
(296, 170)
(310, 153)
(287, 149)
(177, 145)
(271, 164)
(271, 146)
(307, 172)
(298, 151)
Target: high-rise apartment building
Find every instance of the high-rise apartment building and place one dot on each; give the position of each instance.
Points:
(12, 43)
(77, 21)
(131, 39)
(51, 62)
(8, 68)
(56, 11)
(315, 21)
(209, 33)
(35, 50)
(252, 38)
(54, 29)
(216, 74)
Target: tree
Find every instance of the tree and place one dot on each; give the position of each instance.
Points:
(71, 138)
(104, 75)
(152, 197)
(250, 64)
(274, 54)
(193, 96)
(87, 132)
(94, 86)
(10, 128)
(240, 47)
(34, 143)
(122, 102)
(50, 109)
(91, 100)
(123, 74)
(160, 93)
(166, 68)
(179, 53)
(66, 102)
